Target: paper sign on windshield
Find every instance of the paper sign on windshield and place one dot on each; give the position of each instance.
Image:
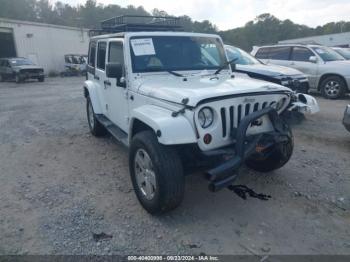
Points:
(143, 46)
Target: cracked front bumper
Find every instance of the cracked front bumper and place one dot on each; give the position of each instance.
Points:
(225, 173)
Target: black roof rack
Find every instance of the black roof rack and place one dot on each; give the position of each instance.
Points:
(137, 23)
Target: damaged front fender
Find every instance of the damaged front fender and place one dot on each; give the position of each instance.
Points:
(304, 104)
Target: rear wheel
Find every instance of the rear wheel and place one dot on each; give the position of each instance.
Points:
(1, 78)
(96, 128)
(156, 172)
(273, 157)
(333, 87)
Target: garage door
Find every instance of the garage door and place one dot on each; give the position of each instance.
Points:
(7, 43)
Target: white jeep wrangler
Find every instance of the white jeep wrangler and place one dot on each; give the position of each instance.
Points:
(172, 99)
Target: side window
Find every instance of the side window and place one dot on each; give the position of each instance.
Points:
(116, 54)
(101, 55)
(280, 53)
(263, 53)
(92, 54)
(301, 54)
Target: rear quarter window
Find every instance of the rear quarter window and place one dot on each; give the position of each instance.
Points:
(263, 53)
(92, 54)
(280, 53)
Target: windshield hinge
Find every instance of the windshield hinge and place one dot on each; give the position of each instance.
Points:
(182, 110)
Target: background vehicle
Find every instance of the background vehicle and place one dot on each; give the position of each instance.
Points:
(346, 119)
(344, 52)
(20, 69)
(171, 98)
(75, 65)
(328, 72)
(247, 64)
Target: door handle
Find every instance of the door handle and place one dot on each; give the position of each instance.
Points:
(96, 77)
(107, 83)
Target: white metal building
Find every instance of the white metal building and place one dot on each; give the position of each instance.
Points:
(44, 44)
(341, 40)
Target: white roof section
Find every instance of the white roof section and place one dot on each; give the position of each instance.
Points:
(329, 40)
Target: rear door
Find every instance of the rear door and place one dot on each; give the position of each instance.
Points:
(300, 60)
(100, 73)
(279, 55)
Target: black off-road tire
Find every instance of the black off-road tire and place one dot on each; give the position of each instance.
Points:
(326, 84)
(275, 157)
(96, 128)
(1, 78)
(41, 79)
(168, 170)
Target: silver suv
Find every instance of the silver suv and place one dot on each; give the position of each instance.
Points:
(328, 71)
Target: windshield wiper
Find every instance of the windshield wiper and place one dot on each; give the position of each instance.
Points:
(174, 73)
(224, 65)
(160, 68)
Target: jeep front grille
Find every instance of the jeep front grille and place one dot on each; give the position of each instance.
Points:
(229, 113)
(231, 116)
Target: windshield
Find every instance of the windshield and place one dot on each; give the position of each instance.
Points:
(327, 54)
(176, 53)
(21, 62)
(344, 53)
(241, 57)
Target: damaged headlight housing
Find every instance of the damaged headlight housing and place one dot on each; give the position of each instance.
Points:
(205, 117)
(279, 104)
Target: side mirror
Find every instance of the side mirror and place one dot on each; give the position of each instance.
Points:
(313, 59)
(114, 70)
(233, 67)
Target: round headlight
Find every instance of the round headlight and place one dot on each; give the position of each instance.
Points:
(205, 117)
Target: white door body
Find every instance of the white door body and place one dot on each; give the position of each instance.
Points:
(116, 95)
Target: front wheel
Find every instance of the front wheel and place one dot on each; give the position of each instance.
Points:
(18, 79)
(273, 157)
(156, 173)
(333, 87)
(1, 78)
(41, 79)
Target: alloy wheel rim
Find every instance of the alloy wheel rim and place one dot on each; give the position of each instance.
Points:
(332, 88)
(145, 175)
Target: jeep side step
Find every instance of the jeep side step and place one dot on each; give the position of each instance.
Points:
(115, 131)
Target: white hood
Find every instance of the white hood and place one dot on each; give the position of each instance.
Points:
(175, 89)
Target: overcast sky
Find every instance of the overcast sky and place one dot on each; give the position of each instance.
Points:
(227, 14)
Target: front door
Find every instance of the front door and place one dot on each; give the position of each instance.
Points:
(116, 93)
(300, 60)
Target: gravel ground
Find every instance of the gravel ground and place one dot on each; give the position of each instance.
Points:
(63, 191)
